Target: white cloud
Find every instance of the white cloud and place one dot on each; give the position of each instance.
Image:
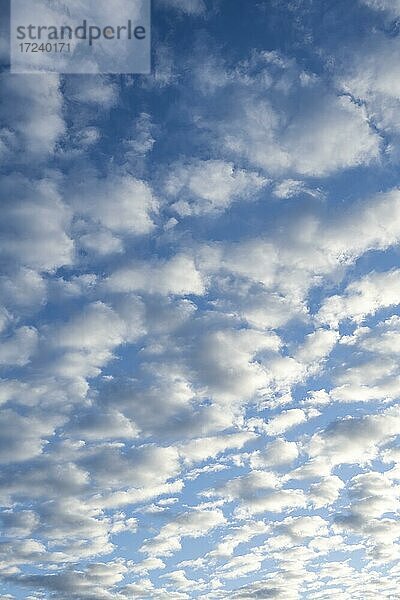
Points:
(141, 141)
(22, 110)
(325, 492)
(119, 202)
(83, 345)
(317, 346)
(371, 379)
(177, 276)
(109, 425)
(276, 454)
(27, 205)
(371, 76)
(362, 298)
(101, 242)
(18, 349)
(17, 524)
(305, 527)
(240, 535)
(97, 580)
(289, 188)
(312, 247)
(258, 492)
(227, 364)
(391, 6)
(355, 440)
(148, 564)
(373, 494)
(95, 90)
(285, 420)
(23, 291)
(202, 187)
(383, 339)
(263, 309)
(204, 448)
(24, 437)
(299, 127)
(241, 566)
(136, 495)
(193, 524)
(50, 478)
(110, 465)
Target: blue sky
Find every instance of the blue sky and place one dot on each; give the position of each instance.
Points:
(199, 312)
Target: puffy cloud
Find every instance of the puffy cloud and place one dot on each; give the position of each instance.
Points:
(27, 205)
(192, 524)
(362, 298)
(241, 566)
(18, 349)
(304, 527)
(368, 75)
(383, 339)
(158, 593)
(327, 150)
(355, 440)
(373, 224)
(141, 141)
(111, 466)
(259, 492)
(97, 425)
(84, 344)
(203, 187)
(263, 309)
(276, 454)
(77, 530)
(317, 346)
(288, 188)
(246, 485)
(26, 126)
(101, 242)
(97, 326)
(373, 379)
(277, 586)
(326, 492)
(98, 91)
(17, 524)
(204, 448)
(180, 582)
(17, 552)
(285, 420)
(96, 581)
(373, 494)
(298, 127)
(275, 502)
(136, 495)
(42, 478)
(311, 248)
(176, 417)
(227, 364)
(24, 291)
(239, 535)
(177, 276)
(24, 437)
(118, 202)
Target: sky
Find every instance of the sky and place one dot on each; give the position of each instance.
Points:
(199, 312)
